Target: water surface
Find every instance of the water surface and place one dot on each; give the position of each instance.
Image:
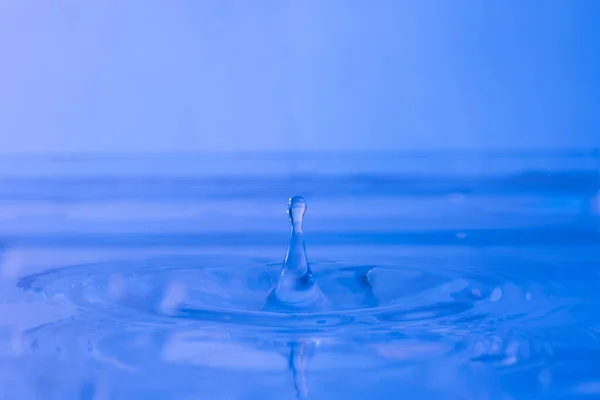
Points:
(454, 277)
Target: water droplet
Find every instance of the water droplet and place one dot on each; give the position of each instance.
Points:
(296, 278)
(512, 354)
(296, 210)
(496, 295)
(296, 285)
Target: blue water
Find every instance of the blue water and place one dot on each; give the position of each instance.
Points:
(460, 276)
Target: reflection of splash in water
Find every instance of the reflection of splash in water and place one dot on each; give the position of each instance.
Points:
(595, 200)
(300, 353)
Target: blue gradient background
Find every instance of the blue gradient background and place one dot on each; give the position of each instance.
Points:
(487, 194)
(223, 76)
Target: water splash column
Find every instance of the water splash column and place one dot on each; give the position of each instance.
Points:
(296, 282)
(296, 286)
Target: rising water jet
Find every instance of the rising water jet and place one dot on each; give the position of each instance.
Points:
(296, 288)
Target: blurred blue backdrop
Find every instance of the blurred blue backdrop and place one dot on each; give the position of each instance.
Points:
(220, 76)
(469, 274)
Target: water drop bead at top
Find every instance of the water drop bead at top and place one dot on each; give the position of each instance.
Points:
(296, 210)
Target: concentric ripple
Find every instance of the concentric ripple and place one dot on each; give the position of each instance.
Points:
(206, 312)
(232, 291)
